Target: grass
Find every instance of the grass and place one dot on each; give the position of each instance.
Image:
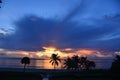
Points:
(81, 75)
(5, 75)
(59, 75)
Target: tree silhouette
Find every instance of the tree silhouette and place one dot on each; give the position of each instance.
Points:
(116, 64)
(82, 62)
(72, 63)
(77, 62)
(68, 64)
(55, 59)
(25, 61)
(89, 65)
(86, 64)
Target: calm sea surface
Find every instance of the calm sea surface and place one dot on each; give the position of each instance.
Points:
(44, 64)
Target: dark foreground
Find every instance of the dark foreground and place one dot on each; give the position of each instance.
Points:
(60, 75)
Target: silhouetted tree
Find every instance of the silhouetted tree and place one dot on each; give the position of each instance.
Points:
(86, 64)
(71, 63)
(82, 62)
(77, 62)
(68, 64)
(25, 61)
(116, 64)
(55, 59)
(89, 64)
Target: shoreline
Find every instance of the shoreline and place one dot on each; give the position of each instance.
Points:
(42, 70)
(59, 74)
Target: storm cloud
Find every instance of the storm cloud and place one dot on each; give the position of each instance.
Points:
(91, 24)
(32, 33)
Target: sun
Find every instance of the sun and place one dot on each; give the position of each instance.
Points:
(66, 52)
(48, 50)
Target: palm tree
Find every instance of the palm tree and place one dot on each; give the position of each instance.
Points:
(86, 64)
(55, 59)
(82, 62)
(116, 64)
(25, 61)
(72, 63)
(89, 64)
(68, 64)
(76, 60)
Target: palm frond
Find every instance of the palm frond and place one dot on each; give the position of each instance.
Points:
(56, 63)
(50, 61)
(59, 60)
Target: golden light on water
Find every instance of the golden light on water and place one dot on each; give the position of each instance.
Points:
(48, 65)
(49, 50)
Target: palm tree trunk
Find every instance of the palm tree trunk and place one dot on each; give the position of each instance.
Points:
(54, 65)
(24, 67)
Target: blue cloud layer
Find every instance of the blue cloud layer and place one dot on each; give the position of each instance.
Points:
(32, 32)
(88, 24)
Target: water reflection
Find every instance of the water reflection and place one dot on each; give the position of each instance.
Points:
(44, 64)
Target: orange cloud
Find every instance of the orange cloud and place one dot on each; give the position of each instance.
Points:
(85, 52)
(48, 50)
(68, 49)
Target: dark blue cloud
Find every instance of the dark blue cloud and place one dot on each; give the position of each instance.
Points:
(32, 33)
(89, 24)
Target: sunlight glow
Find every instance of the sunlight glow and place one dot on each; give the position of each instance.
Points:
(85, 51)
(117, 53)
(48, 50)
(68, 49)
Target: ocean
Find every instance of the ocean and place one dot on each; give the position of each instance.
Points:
(44, 63)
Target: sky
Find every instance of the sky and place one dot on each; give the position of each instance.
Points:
(38, 28)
